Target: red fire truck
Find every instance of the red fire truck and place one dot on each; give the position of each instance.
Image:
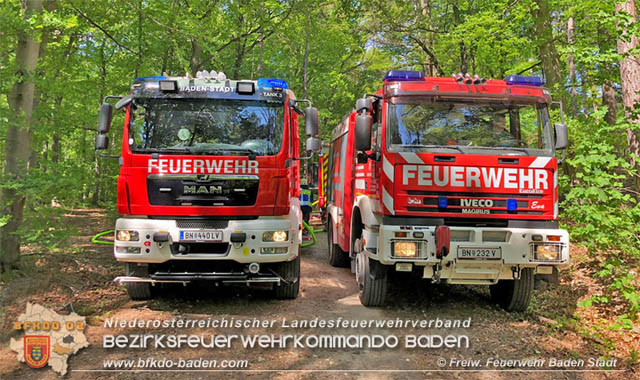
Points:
(209, 182)
(452, 179)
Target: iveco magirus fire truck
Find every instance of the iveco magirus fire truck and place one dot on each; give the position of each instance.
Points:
(209, 182)
(454, 179)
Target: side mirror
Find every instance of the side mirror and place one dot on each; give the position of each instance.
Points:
(363, 132)
(104, 120)
(364, 104)
(311, 121)
(102, 142)
(562, 136)
(124, 102)
(314, 144)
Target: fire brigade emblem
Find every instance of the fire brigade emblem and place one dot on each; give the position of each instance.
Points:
(36, 350)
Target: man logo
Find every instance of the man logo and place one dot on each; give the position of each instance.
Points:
(212, 189)
(36, 350)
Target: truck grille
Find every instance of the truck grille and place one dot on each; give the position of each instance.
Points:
(202, 190)
(190, 223)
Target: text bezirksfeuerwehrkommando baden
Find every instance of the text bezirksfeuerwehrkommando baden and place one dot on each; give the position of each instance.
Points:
(314, 323)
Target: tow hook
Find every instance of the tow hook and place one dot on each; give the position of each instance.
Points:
(515, 272)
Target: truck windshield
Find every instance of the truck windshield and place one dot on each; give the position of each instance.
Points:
(201, 126)
(469, 127)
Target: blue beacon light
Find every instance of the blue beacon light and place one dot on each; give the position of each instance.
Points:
(272, 83)
(403, 75)
(443, 202)
(524, 80)
(512, 204)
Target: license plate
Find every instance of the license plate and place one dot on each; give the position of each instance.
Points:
(479, 253)
(202, 235)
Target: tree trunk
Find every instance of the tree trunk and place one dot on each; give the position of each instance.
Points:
(543, 30)
(630, 78)
(18, 148)
(573, 92)
(260, 51)
(305, 73)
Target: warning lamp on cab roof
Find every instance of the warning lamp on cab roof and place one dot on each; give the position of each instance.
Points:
(524, 80)
(403, 75)
(272, 83)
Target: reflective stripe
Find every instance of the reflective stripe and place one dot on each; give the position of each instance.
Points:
(540, 162)
(411, 158)
(388, 169)
(360, 184)
(388, 201)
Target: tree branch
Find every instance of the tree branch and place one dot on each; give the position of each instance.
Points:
(106, 33)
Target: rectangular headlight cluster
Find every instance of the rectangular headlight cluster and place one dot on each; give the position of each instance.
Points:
(275, 236)
(547, 252)
(127, 235)
(406, 249)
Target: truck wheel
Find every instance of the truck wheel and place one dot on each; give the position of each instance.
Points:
(290, 271)
(139, 291)
(337, 257)
(514, 295)
(372, 281)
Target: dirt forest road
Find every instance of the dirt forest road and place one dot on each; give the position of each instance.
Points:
(326, 293)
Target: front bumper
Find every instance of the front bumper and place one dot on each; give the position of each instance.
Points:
(252, 250)
(515, 246)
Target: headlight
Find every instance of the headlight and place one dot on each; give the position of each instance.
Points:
(128, 249)
(405, 249)
(273, 250)
(275, 236)
(547, 252)
(127, 235)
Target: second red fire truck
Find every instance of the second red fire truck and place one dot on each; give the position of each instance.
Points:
(454, 179)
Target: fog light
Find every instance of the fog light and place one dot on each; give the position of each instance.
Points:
(127, 235)
(128, 249)
(405, 249)
(547, 252)
(273, 250)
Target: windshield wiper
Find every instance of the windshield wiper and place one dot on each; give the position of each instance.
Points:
(251, 153)
(162, 150)
(454, 147)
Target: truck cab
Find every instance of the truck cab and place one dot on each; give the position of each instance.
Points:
(452, 179)
(209, 182)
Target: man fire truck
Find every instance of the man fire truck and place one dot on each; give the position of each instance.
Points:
(209, 182)
(454, 179)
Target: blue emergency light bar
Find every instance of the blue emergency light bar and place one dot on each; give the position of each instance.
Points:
(524, 80)
(272, 83)
(155, 77)
(403, 75)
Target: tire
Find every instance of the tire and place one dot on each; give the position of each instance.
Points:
(139, 291)
(337, 257)
(514, 295)
(290, 271)
(372, 281)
